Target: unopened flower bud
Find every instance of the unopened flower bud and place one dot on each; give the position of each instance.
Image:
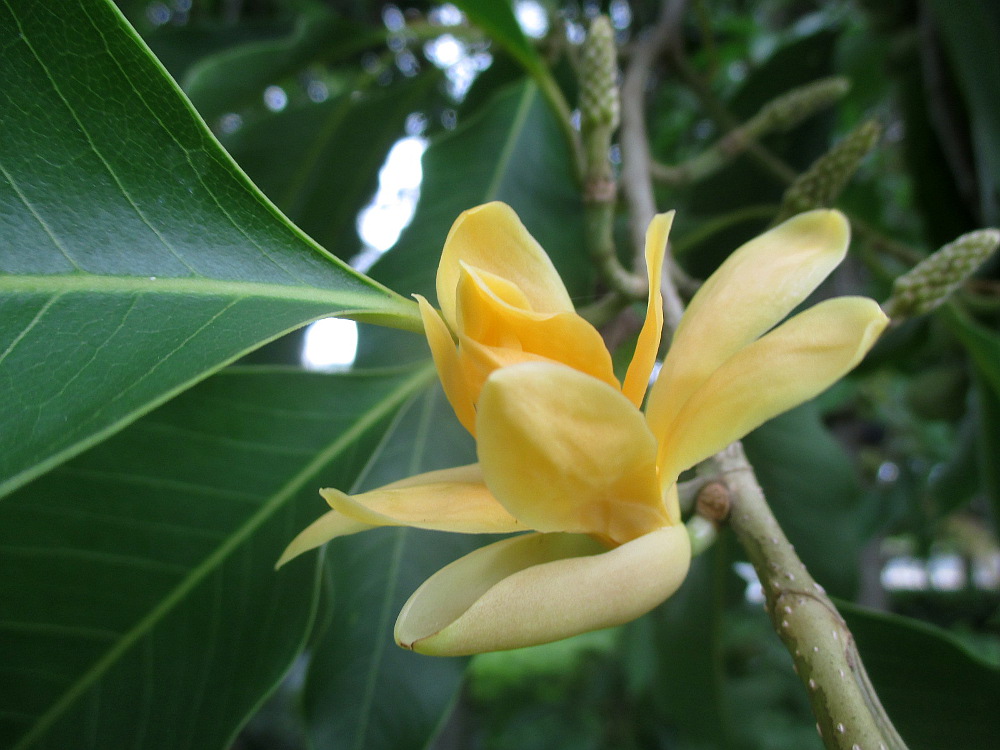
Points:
(599, 104)
(819, 186)
(936, 277)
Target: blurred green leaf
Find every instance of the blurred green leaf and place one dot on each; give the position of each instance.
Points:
(362, 690)
(496, 18)
(512, 151)
(139, 605)
(319, 162)
(138, 258)
(238, 75)
(811, 486)
(983, 346)
(936, 692)
(970, 31)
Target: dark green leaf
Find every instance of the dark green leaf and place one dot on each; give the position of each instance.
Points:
(238, 75)
(137, 257)
(363, 691)
(983, 346)
(511, 151)
(811, 486)
(937, 694)
(971, 35)
(685, 655)
(139, 605)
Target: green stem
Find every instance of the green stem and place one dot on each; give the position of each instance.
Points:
(724, 119)
(848, 711)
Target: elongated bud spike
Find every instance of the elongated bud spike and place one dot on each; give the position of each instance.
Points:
(819, 186)
(599, 103)
(935, 278)
(791, 108)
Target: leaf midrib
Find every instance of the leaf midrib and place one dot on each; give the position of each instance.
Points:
(201, 286)
(216, 559)
(516, 131)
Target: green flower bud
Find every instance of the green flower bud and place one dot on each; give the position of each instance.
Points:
(936, 277)
(819, 186)
(599, 103)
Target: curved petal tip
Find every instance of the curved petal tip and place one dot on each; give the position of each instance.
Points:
(328, 526)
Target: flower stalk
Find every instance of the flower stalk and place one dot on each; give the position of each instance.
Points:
(777, 116)
(848, 711)
(599, 119)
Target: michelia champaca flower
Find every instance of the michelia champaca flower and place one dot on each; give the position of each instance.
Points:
(565, 453)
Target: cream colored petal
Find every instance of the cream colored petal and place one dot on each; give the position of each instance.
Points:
(539, 588)
(752, 291)
(446, 500)
(487, 316)
(637, 377)
(447, 363)
(328, 526)
(792, 364)
(492, 237)
(563, 451)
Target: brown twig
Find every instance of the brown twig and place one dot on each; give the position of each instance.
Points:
(636, 176)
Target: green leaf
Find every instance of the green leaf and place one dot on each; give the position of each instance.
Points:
(512, 151)
(497, 19)
(140, 606)
(936, 692)
(970, 31)
(138, 258)
(397, 697)
(680, 642)
(810, 484)
(319, 162)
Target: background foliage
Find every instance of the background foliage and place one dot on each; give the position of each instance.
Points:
(151, 473)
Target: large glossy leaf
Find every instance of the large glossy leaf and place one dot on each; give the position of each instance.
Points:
(139, 606)
(937, 693)
(319, 162)
(511, 151)
(136, 257)
(362, 690)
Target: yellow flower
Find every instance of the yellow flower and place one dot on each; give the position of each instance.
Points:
(564, 450)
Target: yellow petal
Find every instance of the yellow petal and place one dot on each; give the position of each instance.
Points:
(792, 364)
(563, 451)
(492, 238)
(328, 526)
(488, 314)
(752, 291)
(446, 500)
(446, 361)
(637, 377)
(539, 588)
